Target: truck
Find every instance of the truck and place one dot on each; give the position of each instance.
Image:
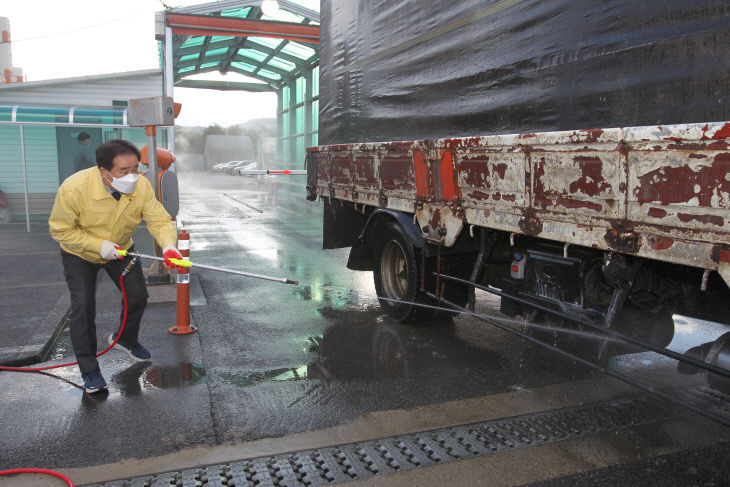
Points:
(573, 159)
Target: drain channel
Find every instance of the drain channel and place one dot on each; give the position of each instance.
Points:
(325, 466)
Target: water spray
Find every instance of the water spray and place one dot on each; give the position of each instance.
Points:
(285, 172)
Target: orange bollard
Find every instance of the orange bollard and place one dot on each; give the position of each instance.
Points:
(183, 326)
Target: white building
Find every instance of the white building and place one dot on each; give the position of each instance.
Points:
(98, 91)
(48, 116)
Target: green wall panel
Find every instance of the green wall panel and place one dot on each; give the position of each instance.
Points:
(11, 166)
(41, 157)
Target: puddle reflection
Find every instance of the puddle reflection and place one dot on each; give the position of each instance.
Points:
(368, 347)
(143, 377)
(170, 377)
(367, 362)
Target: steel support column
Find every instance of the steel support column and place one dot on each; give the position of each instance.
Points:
(25, 178)
(292, 123)
(167, 80)
(308, 137)
(280, 123)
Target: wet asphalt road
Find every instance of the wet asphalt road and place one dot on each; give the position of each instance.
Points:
(282, 359)
(278, 359)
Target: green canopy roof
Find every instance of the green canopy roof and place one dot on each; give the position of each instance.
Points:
(235, 36)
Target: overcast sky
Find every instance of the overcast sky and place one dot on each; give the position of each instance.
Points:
(60, 39)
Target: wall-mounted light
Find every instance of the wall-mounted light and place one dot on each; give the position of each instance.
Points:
(270, 7)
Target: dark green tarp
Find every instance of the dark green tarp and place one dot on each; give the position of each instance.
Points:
(418, 69)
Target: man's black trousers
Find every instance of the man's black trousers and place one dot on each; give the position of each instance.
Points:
(81, 279)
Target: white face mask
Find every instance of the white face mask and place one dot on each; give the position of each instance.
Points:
(125, 184)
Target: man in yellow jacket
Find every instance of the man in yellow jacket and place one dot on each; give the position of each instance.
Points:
(95, 214)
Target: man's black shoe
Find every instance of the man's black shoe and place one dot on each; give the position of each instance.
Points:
(135, 350)
(94, 381)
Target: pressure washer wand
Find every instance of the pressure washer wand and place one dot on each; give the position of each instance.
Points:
(187, 263)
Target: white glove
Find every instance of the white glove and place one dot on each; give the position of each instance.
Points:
(109, 250)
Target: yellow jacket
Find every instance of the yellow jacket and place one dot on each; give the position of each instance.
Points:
(85, 213)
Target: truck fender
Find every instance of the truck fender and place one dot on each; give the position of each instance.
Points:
(361, 254)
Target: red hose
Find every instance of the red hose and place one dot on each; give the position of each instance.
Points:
(39, 470)
(48, 367)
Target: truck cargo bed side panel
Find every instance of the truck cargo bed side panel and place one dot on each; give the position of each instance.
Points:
(656, 192)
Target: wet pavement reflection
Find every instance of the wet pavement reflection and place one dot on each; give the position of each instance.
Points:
(363, 361)
(145, 377)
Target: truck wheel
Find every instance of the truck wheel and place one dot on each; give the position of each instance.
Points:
(396, 273)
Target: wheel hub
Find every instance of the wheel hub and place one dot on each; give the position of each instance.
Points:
(394, 271)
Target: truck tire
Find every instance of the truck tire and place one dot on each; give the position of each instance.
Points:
(396, 273)
(458, 294)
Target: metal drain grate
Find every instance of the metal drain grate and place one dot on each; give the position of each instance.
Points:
(360, 460)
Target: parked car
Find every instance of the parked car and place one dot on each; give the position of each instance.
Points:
(220, 167)
(233, 168)
(245, 167)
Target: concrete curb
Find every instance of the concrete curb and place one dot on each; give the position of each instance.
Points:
(43, 338)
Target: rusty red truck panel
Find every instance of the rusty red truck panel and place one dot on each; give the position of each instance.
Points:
(659, 192)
